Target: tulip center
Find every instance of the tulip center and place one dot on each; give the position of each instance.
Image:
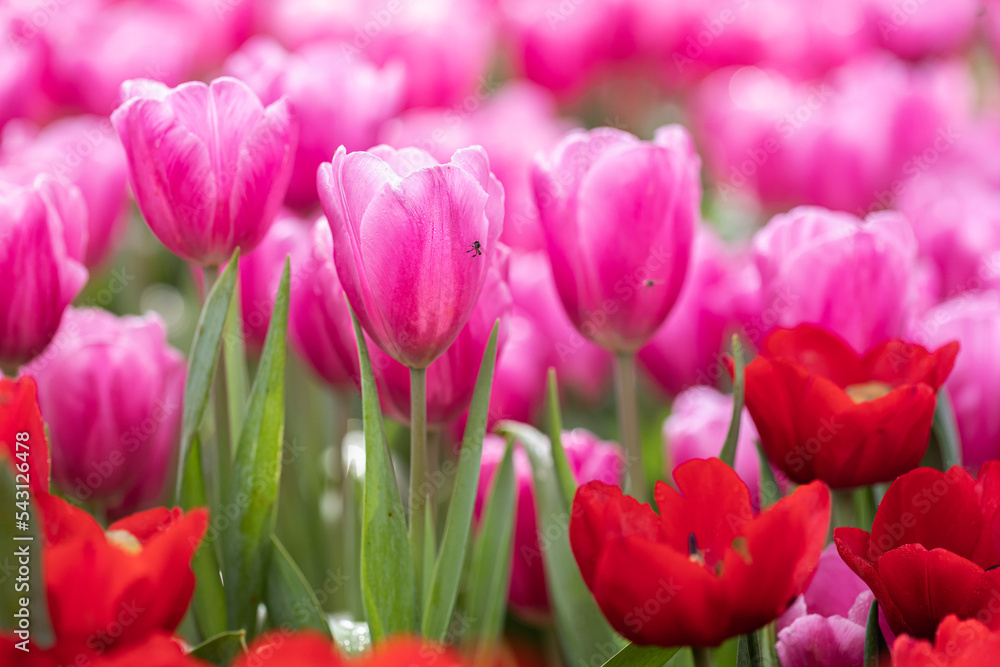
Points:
(694, 553)
(124, 540)
(867, 391)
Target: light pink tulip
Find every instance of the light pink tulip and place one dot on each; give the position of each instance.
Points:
(22, 64)
(81, 151)
(973, 319)
(826, 626)
(112, 392)
(512, 125)
(451, 378)
(338, 100)
(319, 321)
(589, 458)
(209, 164)
(720, 297)
(925, 28)
(697, 427)
(413, 241)
(619, 216)
(855, 277)
(40, 265)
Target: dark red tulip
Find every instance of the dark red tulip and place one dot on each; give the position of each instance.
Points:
(825, 412)
(957, 644)
(704, 570)
(932, 550)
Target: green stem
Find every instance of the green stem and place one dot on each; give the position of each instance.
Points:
(418, 472)
(222, 454)
(843, 514)
(702, 656)
(628, 423)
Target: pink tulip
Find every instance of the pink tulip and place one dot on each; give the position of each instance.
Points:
(619, 216)
(260, 274)
(513, 124)
(337, 100)
(580, 364)
(855, 277)
(319, 321)
(719, 298)
(40, 267)
(927, 28)
(520, 376)
(22, 65)
(209, 164)
(697, 427)
(826, 626)
(451, 378)
(413, 241)
(81, 151)
(589, 458)
(973, 319)
(112, 392)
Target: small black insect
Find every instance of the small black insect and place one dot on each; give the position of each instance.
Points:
(475, 248)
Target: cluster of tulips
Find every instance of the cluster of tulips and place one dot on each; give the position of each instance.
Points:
(484, 365)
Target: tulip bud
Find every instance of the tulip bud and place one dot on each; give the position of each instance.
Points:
(619, 216)
(111, 390)
(40, 253)
(413, 241)
(209, 164)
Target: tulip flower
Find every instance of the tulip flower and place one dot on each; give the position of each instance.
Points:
(81, 151)
(112, 391)
(826, 626)
(704, 569)
(309, 649)
(19, 413)
(589, 459)
(319, 321)
(697, 427)
(932, 550)
(40, 262)
(956, 643)
(337, 99)
(720, 296)
(974, 321)
(839, 257)
(451, 378)
(209, 164)
(825, 412)
(940, 27)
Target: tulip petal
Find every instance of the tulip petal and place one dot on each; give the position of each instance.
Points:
(819, 351)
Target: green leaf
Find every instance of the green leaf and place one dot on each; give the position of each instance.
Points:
(246, 543)
(291, 601)
(235, 361)
(876, 650)
(203, 359)
(491, 556)
(209, 602)
(387, 578)
(756, 649)
(440, 598)
(22, 537)
(222, 648)
(582, 628)
(945, 431)
(567, 482)
(728, 454)
(770, 492)
(642, 656)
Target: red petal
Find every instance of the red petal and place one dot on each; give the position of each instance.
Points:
(853, 546)
(773, 404)
(897, 363)
(930, 508)
(278, 649)
(19, 413)
(817, 350)
(158, 650)
(987, 552)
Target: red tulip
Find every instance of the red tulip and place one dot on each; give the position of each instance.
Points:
(825, 412)
(158, 650)
(932, 550)
(19, 414)
(957, 644)
(308, 649)
(704, 570)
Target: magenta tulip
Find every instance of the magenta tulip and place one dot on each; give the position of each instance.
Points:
(825, 627)
(451, 378)
(209, 164)
(697, 427)
(413, 241)
(111, 390)
(589, 458)
(619, 216)
(319, 321)
(855, 277)
(40, 265)
(338, 100)
(83, 151)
